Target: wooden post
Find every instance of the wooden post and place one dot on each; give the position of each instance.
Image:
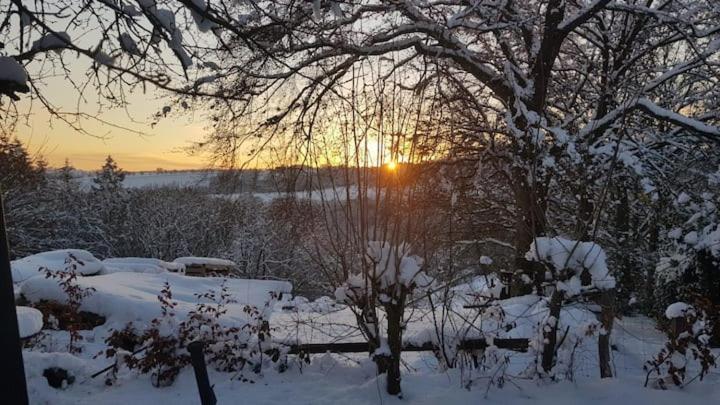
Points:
(207, 396)
(12, 374)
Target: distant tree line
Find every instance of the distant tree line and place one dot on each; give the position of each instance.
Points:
(48, 209)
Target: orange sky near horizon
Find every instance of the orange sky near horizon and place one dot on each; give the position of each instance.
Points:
(161, 146)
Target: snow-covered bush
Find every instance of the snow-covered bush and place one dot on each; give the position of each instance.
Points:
(390, 275)
(163, 345)
(571, 269)
(689, 338)
(227, 348)
(74, 296)
(163, 357)
(690, 267)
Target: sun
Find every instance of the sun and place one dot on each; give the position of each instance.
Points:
(391, 165)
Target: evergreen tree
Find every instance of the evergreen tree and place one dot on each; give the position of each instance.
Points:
(110, 202)
(110, 177)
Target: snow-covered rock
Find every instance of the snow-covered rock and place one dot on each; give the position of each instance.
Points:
(56, 260)
(30, 321)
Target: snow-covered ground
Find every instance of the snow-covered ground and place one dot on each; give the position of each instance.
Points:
(351, 380)
(126, 295)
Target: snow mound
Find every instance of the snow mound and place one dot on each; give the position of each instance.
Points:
(204, 261)
(56, 260)
(578, 256)
(37, 362)
(677, 310)
(132, 297)
(394, 264)
(479, 289)
(30, 321)
(140, 265)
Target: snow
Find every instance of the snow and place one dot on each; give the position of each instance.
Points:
(342, 193)
(574, 255)
(479, 287)
(691, 238)
(204, 261)
(329, 380)
(677, 310)
(678, 119)
(683, 198)
(351, 379)
(28, 267)
(166, 19)
(128, 44)
(12, 71)
(132, 297)
(51, 40)
(30, 321)
(394, 264)
(675, 233)
(140, 265)
(391, 266)
(203, 24)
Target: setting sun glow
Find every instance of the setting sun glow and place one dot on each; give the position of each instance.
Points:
(391, 165)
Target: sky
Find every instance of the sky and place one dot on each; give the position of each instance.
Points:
(160, 146)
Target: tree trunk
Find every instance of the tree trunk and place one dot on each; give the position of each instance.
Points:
(394, 333)
(529, 223)
(607, 317)
(550, 336)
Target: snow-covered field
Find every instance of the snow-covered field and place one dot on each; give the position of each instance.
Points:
(140, 180)
(129, 294)
(340, 193)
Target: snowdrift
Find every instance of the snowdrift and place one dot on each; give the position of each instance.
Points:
(140, 265)
(132, 297)
(28, 267)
